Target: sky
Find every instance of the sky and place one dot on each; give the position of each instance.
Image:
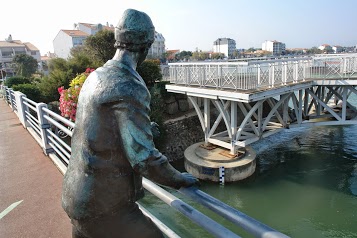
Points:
(192, 24)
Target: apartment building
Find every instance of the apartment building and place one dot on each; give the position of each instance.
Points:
(9, 48)
(158, 47)
(225, 46)
(276, 47)
(67, 39)
(325, 48)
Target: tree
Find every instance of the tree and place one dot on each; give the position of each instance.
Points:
(25, 65)
(217, 55)
(101, 46)
(314, 50)
(81, 60)
(16, 80)
(150, 71)
(30, 90)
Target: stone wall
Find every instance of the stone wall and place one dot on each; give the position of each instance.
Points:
(180, 134)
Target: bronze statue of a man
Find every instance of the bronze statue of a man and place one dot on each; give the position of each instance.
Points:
(112, 144)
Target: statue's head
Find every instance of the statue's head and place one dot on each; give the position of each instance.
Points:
(134, 32)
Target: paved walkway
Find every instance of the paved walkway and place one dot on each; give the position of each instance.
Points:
(28, 175)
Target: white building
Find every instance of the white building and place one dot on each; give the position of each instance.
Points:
(9, 48)
(92, 29)
(325, 48)
(276, 47)
(158, 47)
(225, 46)
(337, 49)
(67, 39)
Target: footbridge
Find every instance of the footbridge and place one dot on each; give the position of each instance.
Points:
(253, 99)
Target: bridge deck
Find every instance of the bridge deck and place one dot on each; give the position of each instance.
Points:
(27, 175)
(252, 95)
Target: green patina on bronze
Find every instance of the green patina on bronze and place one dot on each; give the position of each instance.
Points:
(112, 143)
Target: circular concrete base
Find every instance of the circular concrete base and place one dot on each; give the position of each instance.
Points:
(204, 163)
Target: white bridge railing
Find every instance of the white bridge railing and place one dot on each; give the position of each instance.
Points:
(53, 132)
(260, 74)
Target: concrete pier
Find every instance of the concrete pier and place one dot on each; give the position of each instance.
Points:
(204, 162)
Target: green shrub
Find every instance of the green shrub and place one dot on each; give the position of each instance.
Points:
(10, 82)
(150, 71)
(156, 105)
(31, 91)
(49, 84)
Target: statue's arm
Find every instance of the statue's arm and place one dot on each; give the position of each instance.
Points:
(135, 129)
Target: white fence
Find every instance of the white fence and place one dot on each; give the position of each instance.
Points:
(53, 132)
(253, 75)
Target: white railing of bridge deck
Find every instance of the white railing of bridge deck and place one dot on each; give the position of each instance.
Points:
(53, 132)
(263, 73)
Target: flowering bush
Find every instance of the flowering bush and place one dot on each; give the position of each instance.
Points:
(69, 97)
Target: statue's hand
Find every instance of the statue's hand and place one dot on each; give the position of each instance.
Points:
(189, 180)
(155, 129)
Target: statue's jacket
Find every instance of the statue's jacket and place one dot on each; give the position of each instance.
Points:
(111, 144)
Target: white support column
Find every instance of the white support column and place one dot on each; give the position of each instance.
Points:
(233, 126)
(285, 111)
(344, 103)
(300, 107)
(306, 103)
(260, 120)
(43, 124)
(206, 114)
(21, 108)
(319, 95)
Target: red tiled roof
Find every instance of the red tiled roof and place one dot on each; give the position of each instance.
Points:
(93, 26)
(75, 33)
(30, 46)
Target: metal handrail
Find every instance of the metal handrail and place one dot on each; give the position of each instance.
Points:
(240, 219)
(259, 74)
(48, 140)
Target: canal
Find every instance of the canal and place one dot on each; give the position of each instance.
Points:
(305, 185)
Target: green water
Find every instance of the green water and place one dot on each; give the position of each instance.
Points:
(305, 185)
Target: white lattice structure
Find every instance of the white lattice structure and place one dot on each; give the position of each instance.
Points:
(257, 99)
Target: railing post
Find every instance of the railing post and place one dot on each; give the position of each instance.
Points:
(11, 99)
(296, 72)
(272, 72)
(6, 94)
(259, 76)
(21, 108)
(285, 78)
(219, 76)
(43, 126)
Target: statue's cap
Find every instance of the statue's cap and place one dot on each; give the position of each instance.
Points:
(134, 30)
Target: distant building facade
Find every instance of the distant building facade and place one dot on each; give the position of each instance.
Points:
(157, 48)
(276, 47)
(225, 46)
(9, 48)
(325, 48)
(67, 39)
(337, 49)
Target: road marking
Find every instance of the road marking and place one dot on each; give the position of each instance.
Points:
(7, 210)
